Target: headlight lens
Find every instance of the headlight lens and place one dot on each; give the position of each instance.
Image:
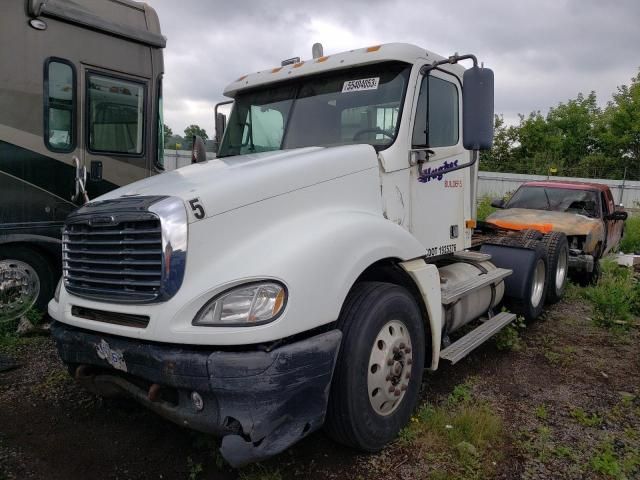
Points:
(245, 305)
(56, 295)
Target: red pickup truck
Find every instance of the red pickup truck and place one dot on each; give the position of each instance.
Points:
(585, 212)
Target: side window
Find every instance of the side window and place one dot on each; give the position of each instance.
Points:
(115, 112)
(443, 125)
(59, 105)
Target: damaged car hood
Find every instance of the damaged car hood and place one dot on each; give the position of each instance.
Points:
(544, 221)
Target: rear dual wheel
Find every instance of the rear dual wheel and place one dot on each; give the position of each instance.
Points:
(377, 378)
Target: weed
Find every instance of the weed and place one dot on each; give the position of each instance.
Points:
(631, 241)
(35, 316)
(259, 472)
(541, 412)
(606, 462)
(461, 393)
(484, 208)
(585, 419)
(195, 469)
(461, 432)
(615, 298)
(509, 337)
(565, 452)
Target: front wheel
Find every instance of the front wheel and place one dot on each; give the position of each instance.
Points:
(376, 383)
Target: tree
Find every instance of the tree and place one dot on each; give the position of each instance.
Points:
(167, 130)
(192, 130)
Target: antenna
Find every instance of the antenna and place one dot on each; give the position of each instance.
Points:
(317, 50)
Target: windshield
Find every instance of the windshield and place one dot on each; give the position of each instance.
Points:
(583, 202)
(342, 108)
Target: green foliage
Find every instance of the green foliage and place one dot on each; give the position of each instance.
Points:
(585, 419)
(461, 435)
(166, 130)
(615, 298)
(259, 472)
(192, 130)
(631, 240)
(606, 462)
(484, 209)
(195, 469)
(574, 138)
(509, 337)
(35, 316)
(541, 412)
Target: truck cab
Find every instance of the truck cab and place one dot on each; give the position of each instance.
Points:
(308, 275)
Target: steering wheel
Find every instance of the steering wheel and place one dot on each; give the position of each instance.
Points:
(359, 133)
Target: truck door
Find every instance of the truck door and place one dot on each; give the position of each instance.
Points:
(437, 210)
(115, 128)
(612, 227)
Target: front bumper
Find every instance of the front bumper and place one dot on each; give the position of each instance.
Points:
(260, 402)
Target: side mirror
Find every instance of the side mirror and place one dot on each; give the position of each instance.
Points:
(477, 108)
(617, 215)
(221, 126)
(498, 203)
(198, 152)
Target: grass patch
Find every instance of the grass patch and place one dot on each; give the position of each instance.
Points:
(585, 419)
(509, 337)
(484, 208)
(541, 412)
(460, 436)
(631, 241)
(615, 300)
(259, 472)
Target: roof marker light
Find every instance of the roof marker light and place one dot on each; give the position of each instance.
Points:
(298, 65)
(374, 48)
(242, 78)
(276, 70)
(322, 59)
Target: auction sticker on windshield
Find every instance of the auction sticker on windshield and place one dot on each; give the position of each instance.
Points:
(362, 84)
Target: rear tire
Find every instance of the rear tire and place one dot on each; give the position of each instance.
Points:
(377, 320)
(532, 304)
(557, 263)
(38, 276)
(530, 234)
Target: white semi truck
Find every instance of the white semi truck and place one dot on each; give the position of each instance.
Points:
(310, 273)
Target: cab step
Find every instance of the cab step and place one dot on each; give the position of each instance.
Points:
(459, 290)
(476, 337)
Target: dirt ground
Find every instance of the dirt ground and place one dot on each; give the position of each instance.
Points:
(568, 402)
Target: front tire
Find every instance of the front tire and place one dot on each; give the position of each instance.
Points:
(376, 382)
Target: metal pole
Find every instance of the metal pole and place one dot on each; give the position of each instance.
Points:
(624, 179)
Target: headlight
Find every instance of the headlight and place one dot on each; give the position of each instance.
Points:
(56, 295)
(245, 305)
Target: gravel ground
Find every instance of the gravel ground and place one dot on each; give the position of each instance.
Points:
(568, 401)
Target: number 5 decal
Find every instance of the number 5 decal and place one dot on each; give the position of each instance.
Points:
(197, 209)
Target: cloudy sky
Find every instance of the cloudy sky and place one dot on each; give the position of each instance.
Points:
(542, 52)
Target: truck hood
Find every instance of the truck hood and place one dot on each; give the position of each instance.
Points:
(224, 184)
(544, 221)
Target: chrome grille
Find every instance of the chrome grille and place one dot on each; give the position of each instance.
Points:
(117, 259)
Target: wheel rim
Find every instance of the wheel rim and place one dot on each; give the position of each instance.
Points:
(19, 288)
(389, 367)
(561, 268)
(538, 283)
